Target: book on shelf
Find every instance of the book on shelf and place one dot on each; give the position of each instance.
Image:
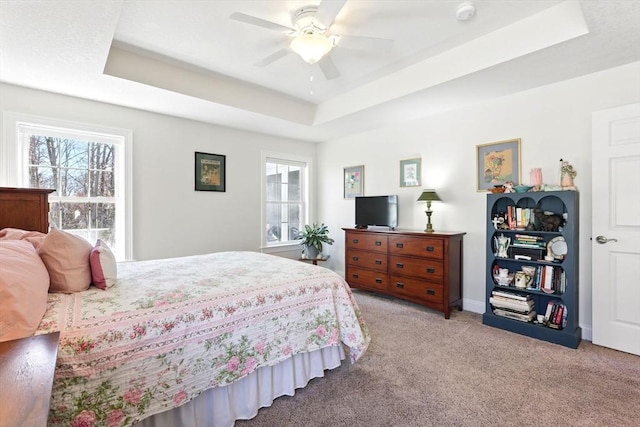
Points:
(517, 316)
(512, 295)
(513, 305)
(556, 315)
(548, 277)
(512, 300)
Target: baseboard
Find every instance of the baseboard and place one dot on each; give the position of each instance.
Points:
(473, 305)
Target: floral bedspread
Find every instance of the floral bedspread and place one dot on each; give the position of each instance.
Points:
(170, 329)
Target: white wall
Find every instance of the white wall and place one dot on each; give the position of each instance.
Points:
(169, 217)
(553, 122)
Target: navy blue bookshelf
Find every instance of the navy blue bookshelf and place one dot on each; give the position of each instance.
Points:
(565, 204)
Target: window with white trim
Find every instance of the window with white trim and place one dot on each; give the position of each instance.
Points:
(87, 169)
(285, 199)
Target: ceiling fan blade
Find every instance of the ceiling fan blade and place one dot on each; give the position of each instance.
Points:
(365, 43)
(329, 68)
(327, 12)
(248, 19)
(273, 57)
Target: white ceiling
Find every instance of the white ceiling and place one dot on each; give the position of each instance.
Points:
(189, 59)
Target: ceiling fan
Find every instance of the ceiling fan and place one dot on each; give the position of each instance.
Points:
(312, 39)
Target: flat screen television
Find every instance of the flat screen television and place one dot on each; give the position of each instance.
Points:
(379, 211)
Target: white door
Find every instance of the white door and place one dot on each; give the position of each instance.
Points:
(615, 230)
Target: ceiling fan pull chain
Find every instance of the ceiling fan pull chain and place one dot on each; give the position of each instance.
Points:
(311, 83)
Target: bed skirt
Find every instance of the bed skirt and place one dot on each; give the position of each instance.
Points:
(221, 406)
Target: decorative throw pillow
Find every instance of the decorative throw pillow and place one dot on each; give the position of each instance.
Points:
(104, 270)
(67, 259)
(24, 283)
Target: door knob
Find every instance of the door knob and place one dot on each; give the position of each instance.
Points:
(602, 240)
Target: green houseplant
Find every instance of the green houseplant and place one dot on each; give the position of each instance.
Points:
(312, 239)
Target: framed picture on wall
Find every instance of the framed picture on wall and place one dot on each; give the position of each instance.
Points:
(410, 172)
(210, 171)
(353, 182)
(497, 163)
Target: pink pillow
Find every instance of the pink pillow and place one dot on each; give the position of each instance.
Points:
(67, 259)
(104, 270)
(33, 237)
(24, 282)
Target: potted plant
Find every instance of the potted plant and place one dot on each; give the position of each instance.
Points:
(312, 239)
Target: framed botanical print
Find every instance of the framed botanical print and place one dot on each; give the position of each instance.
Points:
(353, 182)
(497, 163)
(410, 172)
(210, 172)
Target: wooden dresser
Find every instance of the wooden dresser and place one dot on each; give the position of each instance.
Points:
(25, 208)
(425, 268)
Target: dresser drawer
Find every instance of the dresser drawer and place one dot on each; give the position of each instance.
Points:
(422, 268)
(367, 241)
(417, 246)
(372, 260)
(367, 278)
(414, 288)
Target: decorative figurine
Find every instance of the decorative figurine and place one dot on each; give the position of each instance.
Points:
(508, 187)
(535, 178)
(567, 173)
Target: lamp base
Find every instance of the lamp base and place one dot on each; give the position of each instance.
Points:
(429, 228)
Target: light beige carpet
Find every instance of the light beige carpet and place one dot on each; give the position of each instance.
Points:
(423, 370)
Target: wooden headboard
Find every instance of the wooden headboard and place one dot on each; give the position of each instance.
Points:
(25, 208)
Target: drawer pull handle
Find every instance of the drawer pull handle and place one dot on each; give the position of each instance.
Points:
(355, 241)
(431, 292)
(400, 245)
(430, 249)
(355, 258)
(431, 270)
(378, 243)
(400, 265)
(400, 285)
(354, 275)
(378, 280)
(378, 261)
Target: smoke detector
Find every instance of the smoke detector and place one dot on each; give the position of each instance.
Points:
(465, 11)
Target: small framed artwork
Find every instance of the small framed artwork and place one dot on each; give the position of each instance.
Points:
(498, 163)
(353, 182)
(410, 172)
(210, 172)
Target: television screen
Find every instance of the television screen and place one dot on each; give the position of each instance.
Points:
(377, 211)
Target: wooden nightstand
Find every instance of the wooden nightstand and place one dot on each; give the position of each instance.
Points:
(27, 366)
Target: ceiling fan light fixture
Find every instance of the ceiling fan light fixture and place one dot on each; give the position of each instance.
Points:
(311, 47)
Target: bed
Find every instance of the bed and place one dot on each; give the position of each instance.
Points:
(198, 340)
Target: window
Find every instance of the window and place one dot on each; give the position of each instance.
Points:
(87, 170)
(285, 199)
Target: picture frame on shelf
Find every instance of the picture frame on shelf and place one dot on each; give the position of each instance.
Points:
(210, 172)
(411, 172)
(353, 181)
(498, 163)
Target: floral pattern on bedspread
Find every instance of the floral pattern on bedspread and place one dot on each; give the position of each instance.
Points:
(170, 329)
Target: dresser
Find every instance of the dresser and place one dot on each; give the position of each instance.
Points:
(25, 208)
(424, 268)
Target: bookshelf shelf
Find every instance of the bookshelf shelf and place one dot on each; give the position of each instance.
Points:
(540, 220)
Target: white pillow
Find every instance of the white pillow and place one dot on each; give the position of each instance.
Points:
(104, 269)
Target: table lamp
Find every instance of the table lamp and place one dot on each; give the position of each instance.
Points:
(429, 196)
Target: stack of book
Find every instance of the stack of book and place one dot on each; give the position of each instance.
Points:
(556, 315)
(529, 241)
(512, 305)
(527, 247)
